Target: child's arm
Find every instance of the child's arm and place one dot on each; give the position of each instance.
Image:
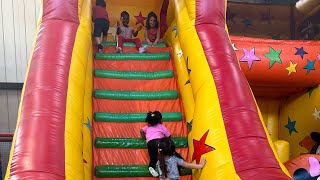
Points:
(146, 37)
(157, 40)
(143, 134)
(118, 28)
(135, 33)
(194, 166)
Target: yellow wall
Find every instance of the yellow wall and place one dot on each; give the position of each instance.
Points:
(269, 108)
(300, 108)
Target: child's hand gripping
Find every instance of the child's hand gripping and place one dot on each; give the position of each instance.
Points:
(203, 162)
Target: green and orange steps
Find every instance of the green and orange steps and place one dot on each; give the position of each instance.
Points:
(126, 86)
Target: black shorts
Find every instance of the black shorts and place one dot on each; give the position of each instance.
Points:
(101, 26)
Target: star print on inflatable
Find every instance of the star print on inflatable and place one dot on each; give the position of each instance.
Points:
(189, 71)
(291, 126)
(201, 148)
(300, 52)
(175, 29)
(234, 47)
(273, 56)
(292, 68)
(309, 66)
(249, 57)
(316, 113)
(140, 19)
(88, 124)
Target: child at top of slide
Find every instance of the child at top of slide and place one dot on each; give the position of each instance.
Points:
(101, 22)
(125, 33)
(152, 33)
(152, 132)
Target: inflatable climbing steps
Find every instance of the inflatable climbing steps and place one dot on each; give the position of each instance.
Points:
(126, 86)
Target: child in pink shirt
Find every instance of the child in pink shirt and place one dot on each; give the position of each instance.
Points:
(152, 132)
(125, 33)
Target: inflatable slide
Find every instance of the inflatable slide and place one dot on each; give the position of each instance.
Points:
(81, 111)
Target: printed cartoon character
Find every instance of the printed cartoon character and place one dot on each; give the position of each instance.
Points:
(312, 174)
(311, 143)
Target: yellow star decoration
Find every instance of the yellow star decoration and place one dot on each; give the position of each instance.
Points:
(113, 31)
(292, 67)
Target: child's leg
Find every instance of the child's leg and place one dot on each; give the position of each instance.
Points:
(120, 42)
(105, 30)
(137, 42)
(97, 33)
(153, 152)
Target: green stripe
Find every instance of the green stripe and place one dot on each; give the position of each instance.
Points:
(128, 171)
(134, 117)
(133, 74)
(133, 143)
(136, 95)
(133, 56)
(130, 44)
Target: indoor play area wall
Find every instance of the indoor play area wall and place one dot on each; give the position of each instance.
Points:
(246, 100)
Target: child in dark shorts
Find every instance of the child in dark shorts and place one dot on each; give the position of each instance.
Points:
(101, 22)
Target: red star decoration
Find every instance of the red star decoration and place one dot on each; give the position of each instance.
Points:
(201, 148)
(140, 19)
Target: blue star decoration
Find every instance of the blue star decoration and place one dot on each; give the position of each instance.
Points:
(247, 22)
(310, 91)
(189, 71)
(300, 52)
(175, 29)
(309, 66)
(89, 126)
(290, 126)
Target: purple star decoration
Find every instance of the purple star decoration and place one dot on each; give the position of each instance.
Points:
(249, 57)
(318, 57)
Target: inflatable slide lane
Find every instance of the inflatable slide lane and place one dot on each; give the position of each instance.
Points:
(57, 136)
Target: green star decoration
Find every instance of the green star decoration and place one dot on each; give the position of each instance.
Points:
(274, 56)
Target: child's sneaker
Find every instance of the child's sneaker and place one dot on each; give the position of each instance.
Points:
(143, 49)
(119, 50)
(100, 48)
(153, 172)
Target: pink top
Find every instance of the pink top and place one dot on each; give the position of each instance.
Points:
(155, 132)
(126, 32)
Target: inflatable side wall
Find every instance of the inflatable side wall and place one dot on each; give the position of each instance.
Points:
(225, 111)
(53, 134)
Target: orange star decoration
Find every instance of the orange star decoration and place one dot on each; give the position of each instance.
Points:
(140, 19)
(201, 148)
(292, 67)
